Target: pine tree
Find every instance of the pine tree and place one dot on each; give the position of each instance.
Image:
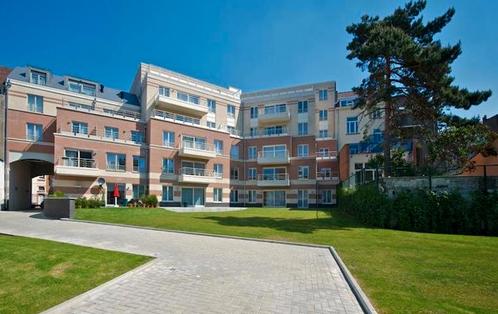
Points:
(404, 61)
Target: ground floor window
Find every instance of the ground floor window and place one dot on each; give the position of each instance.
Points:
(234, 196)
(217, 195)
(139, 190)
(274, 198)
(193, 197)
(302, 198)
(167, 193)
(110, 193)
(327, 197)
(251, 195)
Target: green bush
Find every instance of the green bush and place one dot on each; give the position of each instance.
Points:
(423, 211)
(57, 194)
(83, 202)
(149, 200)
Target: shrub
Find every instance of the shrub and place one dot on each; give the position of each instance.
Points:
(95, 202)
(81, 202)
(57, 194)
(149, 200)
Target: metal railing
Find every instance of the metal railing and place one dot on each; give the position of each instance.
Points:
(267, 133)
(109, 112)
(78, 162)
(199, 103)
(326, 175)
(273, 177)
(201, 172)
(203, 146)
(327, 154)
(274, 155)
(116, 167)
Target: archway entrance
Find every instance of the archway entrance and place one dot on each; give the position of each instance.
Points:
(21, 173)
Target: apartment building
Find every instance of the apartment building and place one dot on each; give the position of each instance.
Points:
(187, 141)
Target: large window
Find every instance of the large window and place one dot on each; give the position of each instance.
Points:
(323, 94)
(278, 151)
(139, 190)
(167, 193)
(234, 173)
(234, 196)
(251, 174)
(323, 133)
(218, 147)
(217, 195)
(82, 88)
(253, 132)
(234, 152)
(303, 172)
(302, 150)
(38, 77)
(302, 128)
(302, 106)
(169, 138)
(194, 142)
(35, 103)
(251, 196)
(138, 164)
(188, 98)
(251, 152)
(116, 162)
(34, 132)
(326, 197)
(79, 127)
(352, 125)
(231, 111)
(211, 105)
(323, 152)
(274, 130)
(254, 112)
(218, 170)
(168, 166)
(323, 115)
(163, 91)
(137, 137)
(111, 132)
(275, 108)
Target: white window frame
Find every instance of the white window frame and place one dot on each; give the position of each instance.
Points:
(302, 128)
(170, 137)
(217, 195)
(165, 166)
(303, 172)
(303, 150)
(351, 125)
(251, 196)
(169, 193)
(35, 103)
(302, 106)
(82, 127)
(37, 132)
(252, 173)
(111, 132)
(323, 115)
(252, 152)
(323, 94)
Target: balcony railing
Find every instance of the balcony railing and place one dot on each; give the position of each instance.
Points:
(268, 133)
(273, 157)
(120, 113)
(197, 145)
(274, 116)
(78, 162)
(201, 172)
(326, 155)
(327, 177)
(181, 105)
(276, 179)
(103, 135)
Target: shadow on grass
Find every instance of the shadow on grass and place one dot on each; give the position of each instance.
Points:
(307, 225)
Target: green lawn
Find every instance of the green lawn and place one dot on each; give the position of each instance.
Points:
(399, 271)
(38, 274)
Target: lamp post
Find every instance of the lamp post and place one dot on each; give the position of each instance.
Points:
(7, 85)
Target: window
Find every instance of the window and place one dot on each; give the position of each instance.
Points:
(251, 174)
(194, 142)
(168, 166)
(211, 125)
(211, 105)
(377, 135)
(352, 125)
(139, 190)
(34, 132)
(272, 151)
(253, 131)
(302, 150)
(138, 164)
(218, 147)
(82, 88)
(231, 111)
(167, 193)
(234, 173)
(274, 130)
(251, 196)
(302, 106)
(116, 162)
(325, 172)
(188, 98)
(111, 132)
(234, 196)
(323, 152)
(251, 152)
(163, 91)
(232, 130)
(323, 115)
(303, 172)
(35, 103)
(254, 112)
(41, 188)
(79, 127)
(376, 114)
(234, 152)
(347, 102)
(327, 197)
(169, 138)
(38, 77)
(137, 137)
(323, 94)
(217, 195)
(323, 133)
(275, 108)
(83, 107)
(302, 128)
(218, 170)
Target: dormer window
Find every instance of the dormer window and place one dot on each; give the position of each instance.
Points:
(82, 88)
(37, 77)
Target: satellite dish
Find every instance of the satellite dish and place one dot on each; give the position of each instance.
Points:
(101, 181)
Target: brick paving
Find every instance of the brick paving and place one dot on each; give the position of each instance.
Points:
(198, 274)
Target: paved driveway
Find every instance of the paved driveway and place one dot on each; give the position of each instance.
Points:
(198, 274)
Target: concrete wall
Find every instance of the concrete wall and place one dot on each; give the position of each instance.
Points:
(464, 184)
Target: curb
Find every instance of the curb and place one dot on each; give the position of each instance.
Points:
(64, 306)
(360, 296)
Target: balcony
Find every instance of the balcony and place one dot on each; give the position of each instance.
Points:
(197, 175)
(169, 103)
(194, 149)
(326, 155)
(77, 167)
(273, 180)
(273, 158)
(274, 117)
(327, 177)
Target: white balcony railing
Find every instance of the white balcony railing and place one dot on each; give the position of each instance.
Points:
(197, 149)
(274, 117)
(180, 105)
(197, 175)
(72, 166)
(78, 162)
(273, 157)
(326, 155)
(277, 179)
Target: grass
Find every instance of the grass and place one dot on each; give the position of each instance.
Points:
(401, 272)
(38, 274)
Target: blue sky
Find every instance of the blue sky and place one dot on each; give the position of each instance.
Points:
(247, 44)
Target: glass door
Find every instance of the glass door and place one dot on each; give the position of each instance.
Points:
(187, 197)
(302, 199)
(279, 199)
(198, 197)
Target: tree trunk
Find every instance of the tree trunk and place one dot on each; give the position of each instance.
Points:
(387, 121)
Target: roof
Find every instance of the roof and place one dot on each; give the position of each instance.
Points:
(58, 82)
(4, 72)
(492, 122)
(348, 94)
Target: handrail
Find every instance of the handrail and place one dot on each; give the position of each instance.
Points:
(328, 154)
(281, 154)
(203, 146)
(273, 177)
(201, 172)
(106, 111)
(78, 162)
